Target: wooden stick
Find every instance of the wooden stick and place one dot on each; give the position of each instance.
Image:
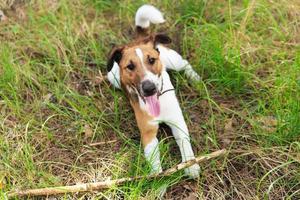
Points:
(85, 187)
(101, 143)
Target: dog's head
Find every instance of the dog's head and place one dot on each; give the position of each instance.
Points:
(139, 65)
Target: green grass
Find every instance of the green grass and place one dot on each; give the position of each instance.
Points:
(54, 100)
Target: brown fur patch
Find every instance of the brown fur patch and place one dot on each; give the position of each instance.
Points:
(148, 131)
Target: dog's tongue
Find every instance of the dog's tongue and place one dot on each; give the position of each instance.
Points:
(153, 105)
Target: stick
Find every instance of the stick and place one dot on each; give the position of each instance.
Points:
(101, 143)
(85, 187)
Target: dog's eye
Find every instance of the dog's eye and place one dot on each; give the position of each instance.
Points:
(151, 60)
(131, 66)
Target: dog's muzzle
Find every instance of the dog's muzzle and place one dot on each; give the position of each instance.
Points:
(148, 88)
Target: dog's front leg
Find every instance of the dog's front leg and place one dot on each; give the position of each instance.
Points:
(181, 135)
(148, 130)
(151, 151)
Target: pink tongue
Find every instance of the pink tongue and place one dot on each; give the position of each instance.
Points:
(153, 105)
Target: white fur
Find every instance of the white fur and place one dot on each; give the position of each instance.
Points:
(172, 60)
(114, 76)
(146, 14)
(152, 155)
(140, 54)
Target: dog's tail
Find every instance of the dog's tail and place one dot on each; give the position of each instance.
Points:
(145, 15)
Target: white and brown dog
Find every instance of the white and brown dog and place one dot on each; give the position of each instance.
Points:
(140, 69)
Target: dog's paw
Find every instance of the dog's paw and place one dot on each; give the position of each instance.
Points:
(193, 171)
(192, 74)
(196, 77)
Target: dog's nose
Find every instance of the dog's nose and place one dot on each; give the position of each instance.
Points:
(148, 88)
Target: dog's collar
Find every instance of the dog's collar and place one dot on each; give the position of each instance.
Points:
(161, 92)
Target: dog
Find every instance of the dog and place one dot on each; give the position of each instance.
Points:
(140, 70)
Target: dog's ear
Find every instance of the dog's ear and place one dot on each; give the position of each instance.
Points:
(162, 39)
(115, 56)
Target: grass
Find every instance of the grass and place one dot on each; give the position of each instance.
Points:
(54, 100)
